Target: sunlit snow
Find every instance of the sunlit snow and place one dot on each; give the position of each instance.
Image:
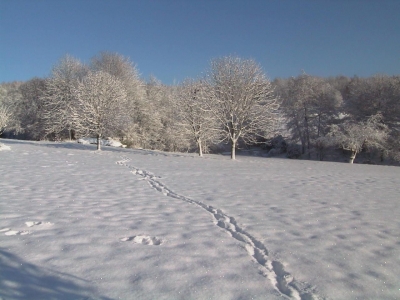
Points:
(76, 223)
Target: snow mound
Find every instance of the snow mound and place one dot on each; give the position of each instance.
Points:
(104, 142)
(30, 224)
(4, 147)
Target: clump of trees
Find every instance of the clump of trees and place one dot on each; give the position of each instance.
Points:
(353, 114)
(234, 103)
(355, 137)
(310, 104)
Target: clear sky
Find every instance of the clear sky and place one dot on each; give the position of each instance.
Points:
(175, 39)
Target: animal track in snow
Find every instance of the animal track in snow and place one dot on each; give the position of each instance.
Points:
(8, 231)
(273, 270)
(143, 239)
(30, 224)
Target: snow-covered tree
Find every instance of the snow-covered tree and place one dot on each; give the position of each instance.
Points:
(123, 69)
(379, 94)
(148, 116)
(5, 117)
(195, 119)
(10, 98)
(355, 137)
(101, 105)
(310, 104)
(376, 94)
(241, 100)
(115, 64)
(59, 96)
(29, 109)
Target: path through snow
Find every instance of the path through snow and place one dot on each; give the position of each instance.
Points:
(274, 270)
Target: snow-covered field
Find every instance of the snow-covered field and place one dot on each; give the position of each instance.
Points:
(135, 224)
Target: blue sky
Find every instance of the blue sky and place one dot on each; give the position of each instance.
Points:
(173, 40)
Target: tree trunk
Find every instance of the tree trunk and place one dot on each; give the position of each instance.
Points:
(352, 156)
(71, 134)
(233, 154)
(200, 148)
(98, 142)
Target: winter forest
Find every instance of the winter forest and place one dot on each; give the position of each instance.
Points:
(232, 107)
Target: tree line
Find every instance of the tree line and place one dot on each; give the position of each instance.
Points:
(234, 104)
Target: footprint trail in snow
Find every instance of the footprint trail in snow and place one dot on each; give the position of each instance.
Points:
(143, 239)
(8, 231)
(273, 270)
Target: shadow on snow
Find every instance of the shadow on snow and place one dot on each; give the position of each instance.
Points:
(22, 280)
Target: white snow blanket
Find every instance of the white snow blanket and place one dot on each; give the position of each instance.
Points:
(76, 223)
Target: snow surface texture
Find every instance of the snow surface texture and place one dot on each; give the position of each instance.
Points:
(76, 224)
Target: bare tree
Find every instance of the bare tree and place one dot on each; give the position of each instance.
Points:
(195, 120)
(241, 100)
(100, 110)
(355, 137)
(59, 97)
